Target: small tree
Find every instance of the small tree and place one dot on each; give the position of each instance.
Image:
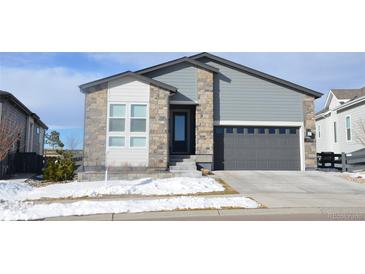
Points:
(53, 139)
(10, 134)
(60, 169)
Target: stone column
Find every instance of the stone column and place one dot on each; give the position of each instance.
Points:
(309, 123)
(95, 127)
(159, 128)
(204, 117)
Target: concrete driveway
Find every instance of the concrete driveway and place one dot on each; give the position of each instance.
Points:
(281, 189)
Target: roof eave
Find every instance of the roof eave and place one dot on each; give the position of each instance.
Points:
(178, 61)
(24, 108)
(142, 78)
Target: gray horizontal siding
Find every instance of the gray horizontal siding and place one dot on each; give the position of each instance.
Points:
(182, 76)
(242, 97)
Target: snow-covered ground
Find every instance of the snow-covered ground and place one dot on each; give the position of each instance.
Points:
(16, 191)
(16, 197)
(30, 211)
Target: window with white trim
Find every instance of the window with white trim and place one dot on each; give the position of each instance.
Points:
(116, 141)
(127, 125)
(348, 128)
(138, 118)
(117, 118)
(137, 141)
(335, 131)
(116, 125)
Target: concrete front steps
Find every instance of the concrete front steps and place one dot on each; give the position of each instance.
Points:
(184, 165)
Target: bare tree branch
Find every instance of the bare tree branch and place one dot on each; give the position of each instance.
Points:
(72, 142)
(10, 133)
(360, 131)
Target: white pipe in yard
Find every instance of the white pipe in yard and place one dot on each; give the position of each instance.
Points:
(106, 174)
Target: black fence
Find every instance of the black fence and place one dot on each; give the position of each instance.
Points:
(350, 162)
(21, 162)
(329, 160)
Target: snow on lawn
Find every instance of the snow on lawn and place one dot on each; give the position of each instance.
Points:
(30, 211)
(180, 185)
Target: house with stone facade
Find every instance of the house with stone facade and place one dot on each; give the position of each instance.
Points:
(198, 111)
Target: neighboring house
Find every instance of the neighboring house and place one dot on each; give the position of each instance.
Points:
(339, 123)
(227, 115)
(32, 129)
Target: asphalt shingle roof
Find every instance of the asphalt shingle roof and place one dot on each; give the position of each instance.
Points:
(348, 94)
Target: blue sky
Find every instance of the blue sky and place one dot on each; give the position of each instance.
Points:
(48, 82)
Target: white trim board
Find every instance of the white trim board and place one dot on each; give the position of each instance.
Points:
(258, 123)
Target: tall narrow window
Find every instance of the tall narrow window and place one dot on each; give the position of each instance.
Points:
(117, 118)
(138, 118)
(319, 131)
(335, 132)
(348, 128)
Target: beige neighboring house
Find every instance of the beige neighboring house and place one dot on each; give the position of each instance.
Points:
(198, 111)
(32, 129)
(339, 124)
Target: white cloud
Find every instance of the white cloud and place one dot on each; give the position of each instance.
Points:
(52, 93)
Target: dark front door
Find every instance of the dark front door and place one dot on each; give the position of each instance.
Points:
(180, 132)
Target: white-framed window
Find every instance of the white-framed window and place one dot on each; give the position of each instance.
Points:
(348, 128)
(138, 118)
(127, 125)
(319, 131)
(116, 125)
(116, 141)
(137, 141)
(117, 117)
(335, 131)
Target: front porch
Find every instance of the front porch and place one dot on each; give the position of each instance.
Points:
(190, 140)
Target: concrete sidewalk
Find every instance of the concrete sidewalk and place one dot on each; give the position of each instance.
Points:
(263, 214)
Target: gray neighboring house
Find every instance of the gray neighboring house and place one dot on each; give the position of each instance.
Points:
(221, 114)
(31, 127)
(340, 124)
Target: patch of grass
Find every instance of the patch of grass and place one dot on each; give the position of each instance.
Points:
(358, 180)
(228, 190)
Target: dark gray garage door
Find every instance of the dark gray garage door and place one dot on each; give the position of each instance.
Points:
(256, 148)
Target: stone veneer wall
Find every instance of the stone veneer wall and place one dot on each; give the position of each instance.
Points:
(159, 128)
(309, 123)
(96, 108)
(204, 115)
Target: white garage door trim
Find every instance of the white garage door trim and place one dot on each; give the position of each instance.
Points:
(275, 124)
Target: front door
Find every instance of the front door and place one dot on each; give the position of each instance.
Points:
(180, 132)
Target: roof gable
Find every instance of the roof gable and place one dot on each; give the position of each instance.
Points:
(257, 73)
(128, 74)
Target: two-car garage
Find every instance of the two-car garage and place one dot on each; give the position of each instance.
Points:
(256, 148)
